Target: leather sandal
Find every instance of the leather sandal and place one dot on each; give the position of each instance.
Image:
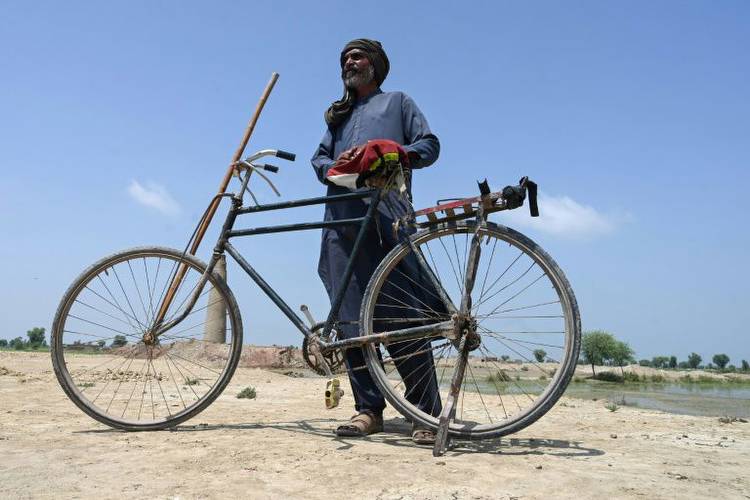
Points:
(421, 435)
(360, 425)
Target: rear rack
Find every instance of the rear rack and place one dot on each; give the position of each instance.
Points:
(509, 198)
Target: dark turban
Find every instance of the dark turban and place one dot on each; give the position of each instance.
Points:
(340, 109)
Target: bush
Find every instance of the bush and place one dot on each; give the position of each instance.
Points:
(644, 362)
(611, 406)
(119, 341)
(745, 366)
(524, 368)
(630, 377)
(4, 343)
(609, 377)
(500, 376)
(658, 378)
(247, 393)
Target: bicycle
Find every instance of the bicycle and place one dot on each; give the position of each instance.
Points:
(476, 299)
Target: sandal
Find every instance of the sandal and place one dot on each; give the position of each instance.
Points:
(420, 435)
(360, 425)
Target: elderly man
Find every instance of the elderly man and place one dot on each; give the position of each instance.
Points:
(367, 113)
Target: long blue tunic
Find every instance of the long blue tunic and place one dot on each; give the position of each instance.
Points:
(381, 115)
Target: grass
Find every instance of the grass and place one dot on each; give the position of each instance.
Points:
(247, 393)
(612, 406)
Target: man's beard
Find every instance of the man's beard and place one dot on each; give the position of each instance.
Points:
(360, 78)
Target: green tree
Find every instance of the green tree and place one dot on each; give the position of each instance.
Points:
(622, 354)
(36, 338)
(539, 354)
(720, 360)
(660, 361)
(17, 343)
(673, 362)
(101, 343)
(644, 362)
(3, 343)
(694, 360)
(745, 366)
(119, 341)
(597, 346)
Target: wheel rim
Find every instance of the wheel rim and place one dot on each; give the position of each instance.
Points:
(140, 384)
(521, 303)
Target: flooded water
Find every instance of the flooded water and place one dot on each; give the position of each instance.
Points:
(714, 400)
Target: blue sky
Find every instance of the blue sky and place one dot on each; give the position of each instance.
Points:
(633, 117)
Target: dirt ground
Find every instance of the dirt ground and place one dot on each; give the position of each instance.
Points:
(281, 445)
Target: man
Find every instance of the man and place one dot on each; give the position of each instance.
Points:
(367, 113)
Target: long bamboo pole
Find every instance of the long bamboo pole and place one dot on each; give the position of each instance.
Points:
(215, 202)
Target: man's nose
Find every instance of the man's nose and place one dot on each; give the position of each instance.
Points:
(349, 62)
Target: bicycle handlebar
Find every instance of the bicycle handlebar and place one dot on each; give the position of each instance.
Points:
(285, 155)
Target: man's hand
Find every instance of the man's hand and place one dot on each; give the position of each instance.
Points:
(349, 154)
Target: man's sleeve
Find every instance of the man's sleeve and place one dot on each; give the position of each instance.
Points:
(419, 137)
(322, 160)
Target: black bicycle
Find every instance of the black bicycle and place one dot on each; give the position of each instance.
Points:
(148, 337)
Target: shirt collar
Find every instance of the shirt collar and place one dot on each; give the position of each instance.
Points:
(363, 101)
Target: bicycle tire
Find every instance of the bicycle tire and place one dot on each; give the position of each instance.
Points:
(474, 428)
(218, 358)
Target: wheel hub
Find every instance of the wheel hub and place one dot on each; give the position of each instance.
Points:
(466, 326)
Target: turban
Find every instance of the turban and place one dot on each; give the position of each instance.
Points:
(340, 109)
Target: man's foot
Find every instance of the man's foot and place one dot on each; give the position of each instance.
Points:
(360, 425)
(420, 435)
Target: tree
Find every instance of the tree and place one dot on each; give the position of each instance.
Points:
(644, 362)
(3, 343)
(622, 354)
(720, 360)
(119, 341)
(660, 361)
(745, 366)
(596, 346)
(683, 365)
(505, 357)
(101, 343)
(694, 360)
(36, 338)
(673, 362)
(17, 343)
(539, 354)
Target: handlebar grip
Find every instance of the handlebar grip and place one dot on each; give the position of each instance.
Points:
(270, 168)
(285, 156)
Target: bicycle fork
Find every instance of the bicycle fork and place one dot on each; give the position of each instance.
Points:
(469, 339)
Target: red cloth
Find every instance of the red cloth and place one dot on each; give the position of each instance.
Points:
(367, 160)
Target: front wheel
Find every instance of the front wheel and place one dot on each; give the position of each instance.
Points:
(111, 368)
(523, 323)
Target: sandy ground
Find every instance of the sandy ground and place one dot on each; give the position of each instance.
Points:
(281, 445)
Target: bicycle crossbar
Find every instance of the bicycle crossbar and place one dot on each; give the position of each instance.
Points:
(357, 195)
(294, 227)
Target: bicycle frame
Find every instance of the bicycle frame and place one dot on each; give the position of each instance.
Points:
(446, 329)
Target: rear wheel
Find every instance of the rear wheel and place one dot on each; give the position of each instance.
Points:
(109, 367)
(524, 321)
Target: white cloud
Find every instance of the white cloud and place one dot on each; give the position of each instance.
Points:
(563, 216)
(154, 196)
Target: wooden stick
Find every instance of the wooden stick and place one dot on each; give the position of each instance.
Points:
(215, 202)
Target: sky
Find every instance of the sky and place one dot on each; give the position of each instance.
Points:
(118, 120)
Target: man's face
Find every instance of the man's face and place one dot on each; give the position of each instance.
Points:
(357, 70)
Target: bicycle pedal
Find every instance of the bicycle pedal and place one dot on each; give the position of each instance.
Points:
(333, 393)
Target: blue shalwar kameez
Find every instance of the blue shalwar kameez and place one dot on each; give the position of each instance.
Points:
(381, 115)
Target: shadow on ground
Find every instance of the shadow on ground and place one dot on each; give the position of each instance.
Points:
(397, 432)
